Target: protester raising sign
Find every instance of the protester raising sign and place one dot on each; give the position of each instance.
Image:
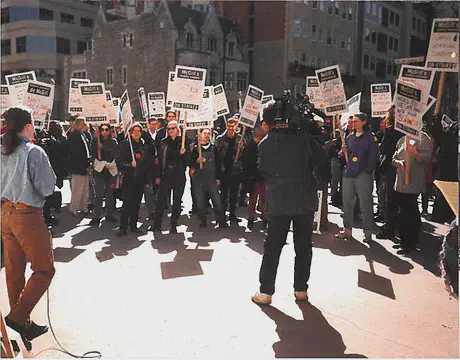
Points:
(126, 113)
(252, 106)
(188, 88)
(75, 100)
(380, 99)
(170, 93)
(409, 104)
(353, 108)
(220, 101)
(156, 102)
(143, 102)
(443, 49)
(265, 100)
(314, 92)
(5, 99)
(94, 102)
(332, 91)
(39, 98)
(17, 84)
(205, 114)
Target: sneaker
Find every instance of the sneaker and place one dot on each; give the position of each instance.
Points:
(344, 234)
(250, 224)
(367, 238)
(95, 222)
(301, 295)
(111, 218)
(262, 299)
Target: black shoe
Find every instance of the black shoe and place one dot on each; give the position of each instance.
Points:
(137, 231)
(173, 229)
(121, 232)
(250, 224)
(203, 224)
(234, 219)
(404, 251)
(111, 218)
(43, 328)
(95, 222)
(378, 218)
(385, 234)
(223, 225)
(397, 246)
(28, 331)
(51, 220)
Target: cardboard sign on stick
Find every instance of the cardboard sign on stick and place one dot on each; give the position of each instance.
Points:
(206, 109)
(39, 97)
(443, 49)
(188, 88)
(314, 92)
(220, 101)
(156, 103)
(94, 102)
(171, 92)
(116, 109)
(409, 105)
(143, 102)
(333, 93)
(17, 84)
(5, 99)
(252, 106)
(353, 108)
(75, 99)
(125, 110)
(380, 99)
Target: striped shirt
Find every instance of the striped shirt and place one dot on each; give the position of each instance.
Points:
(417, 168)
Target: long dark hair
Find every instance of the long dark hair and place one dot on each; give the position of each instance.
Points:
(100, 131)
(55, 129)
(16, 120)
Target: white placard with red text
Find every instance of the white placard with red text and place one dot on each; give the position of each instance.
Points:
(75, 100)
(94, 102)
(251, 107)
(126, 112)
(332, 90)
(189, 83)
(5, 99)
(409, 106)
(443, 49)
(39, 97)
(314, 92)
(17, 84)
(156, 103)
(380, 99)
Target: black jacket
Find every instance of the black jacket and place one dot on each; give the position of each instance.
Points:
(172, 164)
(250, 161)
(286, 162)
(212, 167)
(387, 149)
(222, 143)
(109, 152)
(141, 150)
(161, 134)
(78, 159)
(56, 149)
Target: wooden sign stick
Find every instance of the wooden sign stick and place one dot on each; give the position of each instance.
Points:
(239, 149)
(407, 162)
(334, 119)
(200, 153)
(342, 137)
(184, 130)
(442, 79)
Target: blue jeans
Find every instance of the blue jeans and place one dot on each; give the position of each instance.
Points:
(204, 188)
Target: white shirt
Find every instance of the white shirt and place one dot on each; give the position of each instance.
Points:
(154, 135)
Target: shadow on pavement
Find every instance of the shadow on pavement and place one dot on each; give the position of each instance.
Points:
(312, 337)
(118, 247)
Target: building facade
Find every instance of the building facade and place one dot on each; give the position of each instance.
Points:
(140, 51)
(38, 34)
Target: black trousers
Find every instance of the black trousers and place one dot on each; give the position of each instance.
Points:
(167, 185)
(392, 202)
(229, 185)
(132, 192)
(409, 220)
(278, 228)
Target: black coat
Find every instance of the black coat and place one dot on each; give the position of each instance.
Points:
(109, 152)
(250, 161)
(172, 164)
(141, 151)
(286, 162)
(213, 160)
(161, 134)
(387, 149)
(78, 160)
(56, 149)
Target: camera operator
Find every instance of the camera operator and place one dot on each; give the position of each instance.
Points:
(286, 161)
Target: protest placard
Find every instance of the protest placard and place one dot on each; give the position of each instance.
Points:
(17, 84)
(112, 112)
(417, 75)
(446, 121)
(125, 110)
(252, 106)
(220, 101)
(314, 92)
(443, 48)
(5, 99)
(332, 91)
(380, 99)
(156, 103)
(94, 102)
(143, 102)
(75, 100)
(206, 109)
(265, 100)
(188, 88)
(116, 109)
(353, 108)
(430, 102)
(39, 97)
(200, 125)
(170, 92)
(409, 104)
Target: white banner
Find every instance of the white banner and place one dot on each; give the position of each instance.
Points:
(126, 112)
(17, 84)
(443, 49)
(332, 91)
(112, 112)
(380, 99)
(143, 102)
(94, 102)
(409, 105)
(188, 88)
(39, 97)
(170, 93)
(206, 108)
(5, 99)
(252, 106)
(314, 92)
(75, 100)
(116, 109)
(353, 108)
(220, 101)
(156, 102)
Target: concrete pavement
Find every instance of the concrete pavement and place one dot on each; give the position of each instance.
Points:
(188, 295)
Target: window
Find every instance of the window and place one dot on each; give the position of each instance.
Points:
(321, 5)
(382, 42)
(414, 23)
(85, 22)
(41, 44)
(366, 61)
(189, 40)
(212, 78)
(390, 43)
(303, 58)
(395, 45)
(6, 47)
(392, 17)
(5, 15)
(313, 60)
(330, 10)
(321, 34)
(349, 44)
(131, 40)
(394, 69)
(79, 75)
(313, 32)
(198, 7)
(367, 34)
(297, 28)
(62, 46)
(350, 13)
(342, 42)
(228, 81)
(373, 36)
(67, 18)
(314, 4)
(125, 40)
(397, 20)
(419, 25)
(336, 38)
(337, 8)
(21, 45)
(45, 14)
(231, 47)
(252, 8)
(372, 63)
(212, 44)
(329, 37)
(368, 7)
(320, 62)
(344, 14)
(374, 9)
(81, 47)
(241, 81)
(124, 74)
(389, 67)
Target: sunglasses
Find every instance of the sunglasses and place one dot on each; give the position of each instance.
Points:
(105, 129)
(173, 128)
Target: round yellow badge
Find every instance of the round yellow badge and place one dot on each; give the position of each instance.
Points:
(354, 159)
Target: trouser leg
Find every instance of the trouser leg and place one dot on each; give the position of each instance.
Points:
(253, 202)
(178, 191)
(224, 188)
(213, 194)
(234, 186)
(128, 185)
(109, 196)
(100, 184)
(148, 195)
(163, 193)
(348, 197)
(303, 229)
(392, 208)
(137, 192)
(410, 222)
(200, 199)
(364, 187)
